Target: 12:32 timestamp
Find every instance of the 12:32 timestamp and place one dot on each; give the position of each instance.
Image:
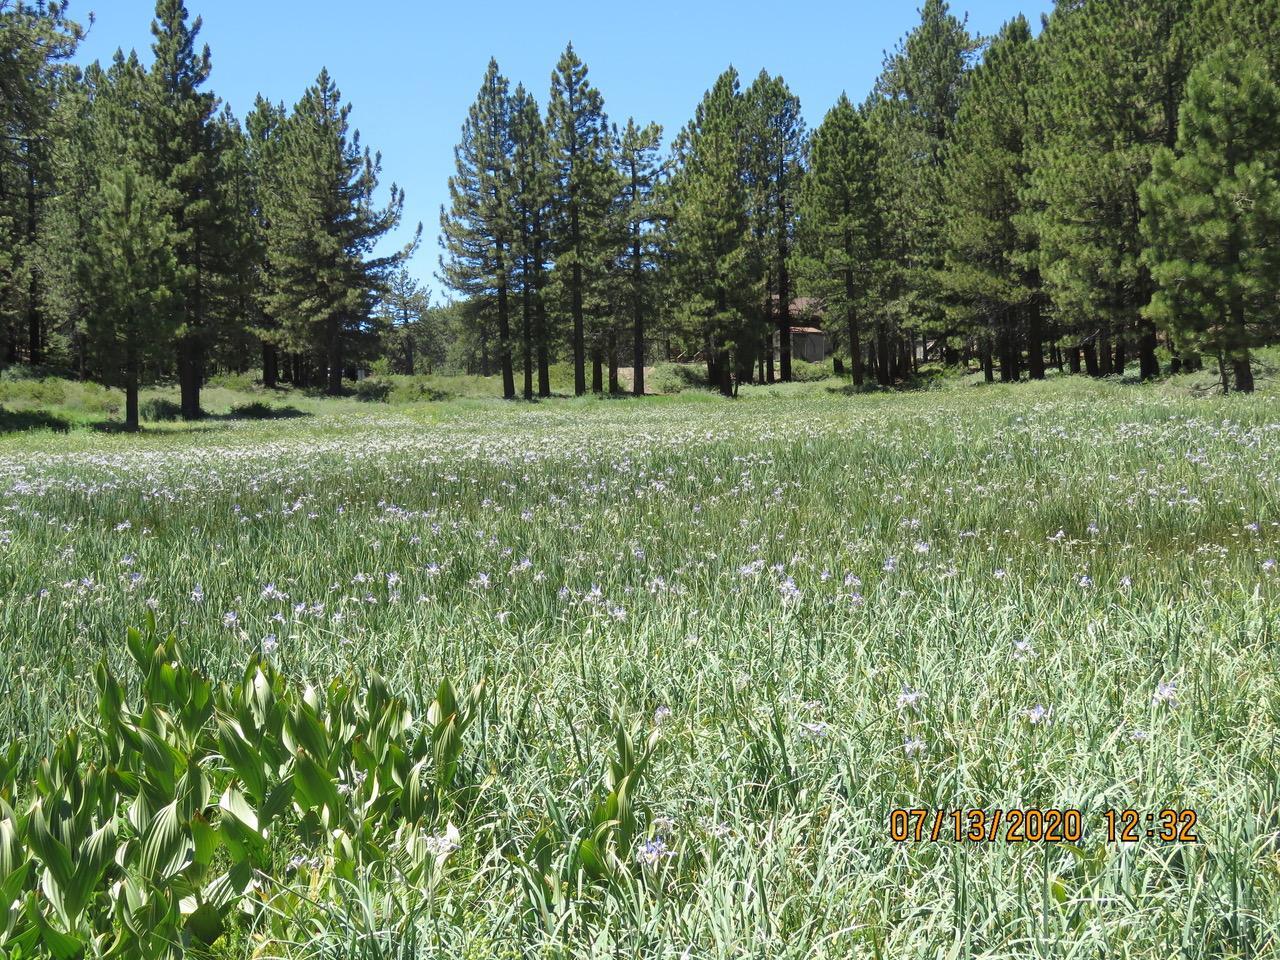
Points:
(1036, 825)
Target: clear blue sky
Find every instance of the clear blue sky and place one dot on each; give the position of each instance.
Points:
(412, 67)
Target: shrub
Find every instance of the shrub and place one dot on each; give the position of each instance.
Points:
(416, 390)
(675, 377)
(43, 392)
(804, 372)
(236, 382)
(158, 408)
(373, 389)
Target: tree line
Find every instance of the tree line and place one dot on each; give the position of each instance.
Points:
(149, 234)
(1079, 198)
(1100, 193)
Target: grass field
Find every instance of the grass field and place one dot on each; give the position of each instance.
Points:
(1057, 595)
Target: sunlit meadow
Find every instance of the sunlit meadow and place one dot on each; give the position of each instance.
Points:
(826, 607)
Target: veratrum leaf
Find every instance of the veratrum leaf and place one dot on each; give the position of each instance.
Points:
(166, 850)
(234, 804)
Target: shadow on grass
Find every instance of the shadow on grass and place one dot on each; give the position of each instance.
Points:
(15, 421)
(262, 411)
(924, 380)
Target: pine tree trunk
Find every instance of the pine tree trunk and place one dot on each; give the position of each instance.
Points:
(614, 385)
(637, 308)
(1104, 356)
(637, 356)
(504, 324)
(988, 364)
(131, 386)
(1148, 362)
(35, 328)
(1242, 368)
(597, 370)
(784, 342)
(724, 368)
(270, 366)
(334, 388)
(579, 335)
(1073, 359)
(526, 318)
(883, 373)
(1008, 356)
(1035, 340)
(1090, 351)
(190, 375)
(1122, 356)
(543, 335)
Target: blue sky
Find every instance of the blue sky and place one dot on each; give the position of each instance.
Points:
(412, 67)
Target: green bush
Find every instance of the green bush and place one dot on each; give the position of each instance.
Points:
(805, 372)
(373, 389)
(148, 834)
(95, 398)
(15, 387)
(676, 377)
(157, 409)
(235, 382)
(416, 390)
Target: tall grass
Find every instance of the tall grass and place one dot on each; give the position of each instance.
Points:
(768, 584)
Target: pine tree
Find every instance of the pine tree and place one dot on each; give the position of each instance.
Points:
(36, 40)
(406, 335)
(989, 271)
(776, 134)
(478, 232)
(838, 222)
(183, 133)
(1212, 215)
(235, 252)
(710, 231)
(531, 210)
(581, 194)
(324, 280)
(639, 173)
(913, 107)
(263, 139)
(1113, 76)
(123, 259)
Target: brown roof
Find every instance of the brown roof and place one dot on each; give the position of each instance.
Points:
(806, 329)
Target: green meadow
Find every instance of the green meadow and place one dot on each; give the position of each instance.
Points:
(776, 619)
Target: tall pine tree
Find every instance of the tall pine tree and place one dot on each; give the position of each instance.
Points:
(710, 231)
(324, 277)
(639, 174)
(839, 223)
(183, 134)
(531, 210)
(1212, 215)
(776, 134)
(989, 263)
(914, 105)
(36, 40)
(1113, 75)
(478, 230)
(581, 195)
(123, 261)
